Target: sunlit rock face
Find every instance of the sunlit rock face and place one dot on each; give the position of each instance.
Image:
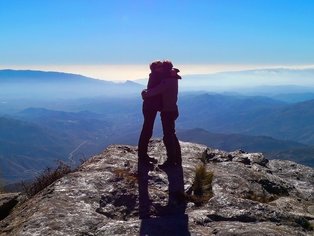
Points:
(250, 196)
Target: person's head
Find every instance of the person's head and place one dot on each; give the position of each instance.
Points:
(167, 65)
(156, 66)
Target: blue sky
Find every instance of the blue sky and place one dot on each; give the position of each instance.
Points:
(210, 32)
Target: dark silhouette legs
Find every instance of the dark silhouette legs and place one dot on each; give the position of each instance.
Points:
(147, 132)
(170, 139)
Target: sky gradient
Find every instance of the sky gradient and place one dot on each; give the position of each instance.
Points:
(98, 33)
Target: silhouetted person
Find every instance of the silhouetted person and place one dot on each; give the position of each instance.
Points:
(145, 163)
(172, 219)
(150, 108)
(161, 95)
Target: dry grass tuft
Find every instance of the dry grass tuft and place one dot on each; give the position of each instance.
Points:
(126, 175)
(202, 186)
(47, 177)
(260, 198)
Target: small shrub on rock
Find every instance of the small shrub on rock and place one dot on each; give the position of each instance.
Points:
(202, 186)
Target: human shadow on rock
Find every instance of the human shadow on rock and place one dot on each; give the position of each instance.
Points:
(166, 220)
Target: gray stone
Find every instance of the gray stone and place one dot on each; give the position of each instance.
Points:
(251, 196)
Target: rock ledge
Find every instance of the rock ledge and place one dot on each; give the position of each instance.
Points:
(251, 196)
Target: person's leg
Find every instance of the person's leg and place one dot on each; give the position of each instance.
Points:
(178, 156)
(170, 139)
(144, 164)
(147, 132)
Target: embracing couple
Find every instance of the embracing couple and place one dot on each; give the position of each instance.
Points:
(161, 96)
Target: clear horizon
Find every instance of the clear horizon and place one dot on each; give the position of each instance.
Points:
(140, 71)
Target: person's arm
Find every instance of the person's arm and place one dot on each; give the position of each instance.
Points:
(150, 81)
(164, 85)
(149, 85)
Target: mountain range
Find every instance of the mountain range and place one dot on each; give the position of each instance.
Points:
(258, 82)
(49, 116)
(26, 84)
(249, 115)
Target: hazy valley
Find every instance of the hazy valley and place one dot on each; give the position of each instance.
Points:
(50, 116)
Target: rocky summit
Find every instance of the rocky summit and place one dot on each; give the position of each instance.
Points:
(248, 195)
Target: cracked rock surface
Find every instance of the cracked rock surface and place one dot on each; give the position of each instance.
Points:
(251, 196)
